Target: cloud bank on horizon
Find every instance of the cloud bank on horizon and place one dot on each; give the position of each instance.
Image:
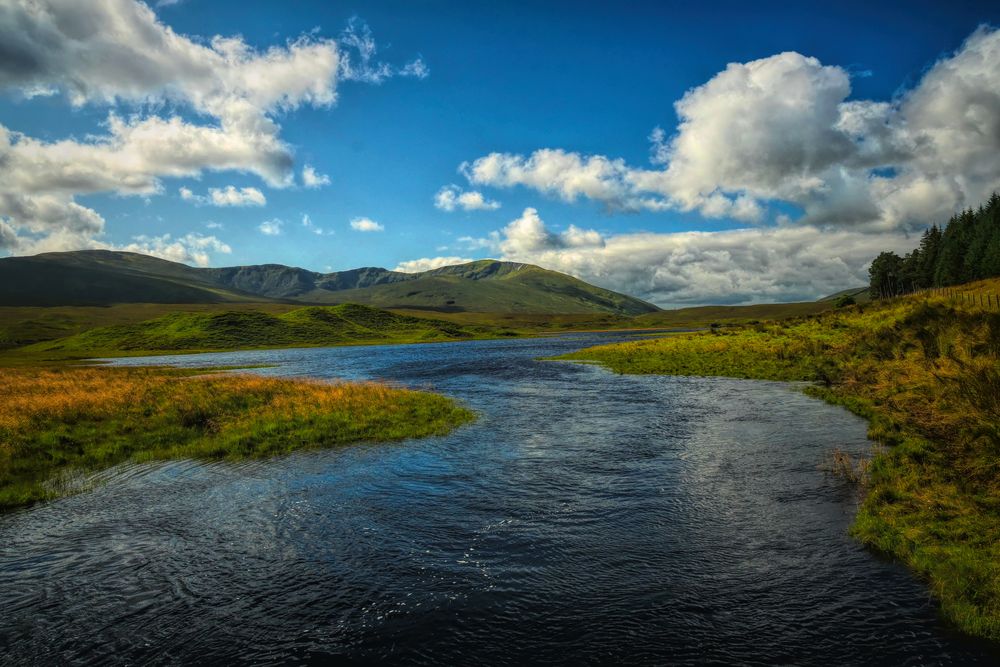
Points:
(817, 181)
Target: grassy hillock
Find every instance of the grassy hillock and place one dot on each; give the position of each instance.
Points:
(244, 329)
(27, 325)
(925, 371)
(57, 423)
(699, 316)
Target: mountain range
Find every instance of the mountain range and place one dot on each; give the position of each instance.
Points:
(104, 277)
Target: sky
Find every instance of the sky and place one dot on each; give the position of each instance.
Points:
(685, 153)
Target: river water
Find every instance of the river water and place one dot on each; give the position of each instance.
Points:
(586, 517)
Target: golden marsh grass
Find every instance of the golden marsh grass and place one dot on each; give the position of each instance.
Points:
(58, 419)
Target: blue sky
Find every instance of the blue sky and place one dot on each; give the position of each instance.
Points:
(513, 78)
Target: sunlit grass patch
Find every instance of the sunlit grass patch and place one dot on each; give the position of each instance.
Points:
(54, 420)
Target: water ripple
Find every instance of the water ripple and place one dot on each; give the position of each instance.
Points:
(586, 518)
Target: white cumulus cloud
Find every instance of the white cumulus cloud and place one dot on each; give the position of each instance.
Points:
(313, 179)
(271, 227)
(227, 196)
(528, 234)
(366, 225)
(451, 197)
(428, 263)
(567, 175)
(191, 248)
(232, 196)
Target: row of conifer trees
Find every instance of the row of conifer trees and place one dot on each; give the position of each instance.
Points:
(967, 248)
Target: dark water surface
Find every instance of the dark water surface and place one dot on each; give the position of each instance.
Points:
(585, 518)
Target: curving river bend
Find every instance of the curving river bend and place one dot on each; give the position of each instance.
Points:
(585, 518)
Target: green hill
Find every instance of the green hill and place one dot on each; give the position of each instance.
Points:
(233, 329)
(65, 279)
(103, 277)
(494, 287)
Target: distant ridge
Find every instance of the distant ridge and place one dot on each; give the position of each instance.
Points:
(859, 294)
(103, 277)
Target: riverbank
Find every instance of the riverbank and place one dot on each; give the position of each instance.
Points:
(252, 329)
(58, 421)
(925, 372)
(32, 335)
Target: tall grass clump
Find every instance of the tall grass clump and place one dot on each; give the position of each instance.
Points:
(925, 372)
(846, 466)
(67, 419)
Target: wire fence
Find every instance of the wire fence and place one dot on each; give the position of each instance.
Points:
(965, 297)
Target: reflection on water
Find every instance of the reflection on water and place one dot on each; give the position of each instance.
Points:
(586, 517)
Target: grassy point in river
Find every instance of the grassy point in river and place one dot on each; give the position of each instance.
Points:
(58, 421)
(925, 371)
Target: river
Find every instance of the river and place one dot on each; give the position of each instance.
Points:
(586, 517)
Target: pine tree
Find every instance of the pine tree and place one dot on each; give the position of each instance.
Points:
(951, 263)
(909, 271)
(989, 263)
(979, 235)
(930, 249)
